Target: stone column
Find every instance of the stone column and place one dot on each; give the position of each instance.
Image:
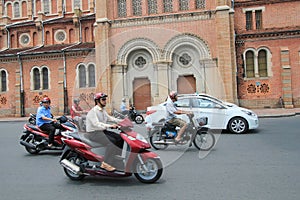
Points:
(119, 86)
(102, 26)
(61, 97)
(286, 78)
(162, 85)
(225, 48)
(17, 94)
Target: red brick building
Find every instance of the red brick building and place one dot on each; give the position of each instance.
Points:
(141, 49)
(268, 53)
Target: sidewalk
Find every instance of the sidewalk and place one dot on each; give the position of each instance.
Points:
(262, 113)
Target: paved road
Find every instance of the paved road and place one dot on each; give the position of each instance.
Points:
(261, 165)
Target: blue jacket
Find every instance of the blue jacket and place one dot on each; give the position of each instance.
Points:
(43, 112)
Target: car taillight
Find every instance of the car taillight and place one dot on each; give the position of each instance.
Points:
(149, 112)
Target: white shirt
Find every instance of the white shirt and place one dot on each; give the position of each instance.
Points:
(96, 119)
(170, 109)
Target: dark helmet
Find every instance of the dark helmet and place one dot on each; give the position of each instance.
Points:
(76, 100)
(173, 94)
(46, 100)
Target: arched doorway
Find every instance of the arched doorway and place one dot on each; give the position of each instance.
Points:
(186, 84)
(141, 93)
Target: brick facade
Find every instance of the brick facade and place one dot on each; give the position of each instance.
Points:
(279, 34)
(205, 40)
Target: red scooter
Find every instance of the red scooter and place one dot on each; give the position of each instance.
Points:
(79, 158)
(35, 140)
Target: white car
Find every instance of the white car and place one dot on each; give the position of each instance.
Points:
(221, 115)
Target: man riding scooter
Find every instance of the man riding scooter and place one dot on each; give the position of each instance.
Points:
(96, 127)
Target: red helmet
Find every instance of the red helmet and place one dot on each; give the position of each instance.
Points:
(100, 95)
(46, 100)
(173, 94)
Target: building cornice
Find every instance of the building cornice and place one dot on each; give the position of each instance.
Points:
(161, 19)
(259, 2)
(269, 34)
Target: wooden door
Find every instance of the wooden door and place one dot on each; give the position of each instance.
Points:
(186, 84)
(141, 93)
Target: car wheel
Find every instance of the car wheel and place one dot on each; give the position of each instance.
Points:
(238, 125)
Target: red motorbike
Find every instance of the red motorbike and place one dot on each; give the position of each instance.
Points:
(35, 140)
(81, 157)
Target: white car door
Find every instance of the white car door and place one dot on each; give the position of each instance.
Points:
(214, 111)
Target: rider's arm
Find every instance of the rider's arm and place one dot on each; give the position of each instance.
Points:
(95, 123)
(111, 118)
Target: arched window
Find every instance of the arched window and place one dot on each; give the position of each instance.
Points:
(250, 64)
(77, 4)
(45, 78)
(3, 81)
(183, 4)
(82, 76)
(122, 11)
(17, 13)
(86, 75)
(168, 5)
(36, 79)
(91, 70)
(46, 7)
(262, 63)
(9, 10)
(200, 4)
(137, 7)
(40, 78)
(257, 63)
(48, 38)
(86, 34)
(152, 6)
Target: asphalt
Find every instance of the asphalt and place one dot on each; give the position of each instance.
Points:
(262, 113)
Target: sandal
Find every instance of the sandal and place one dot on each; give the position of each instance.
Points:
(180, 141)
(107, 167)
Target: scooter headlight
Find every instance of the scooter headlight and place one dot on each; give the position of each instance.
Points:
(141, 138)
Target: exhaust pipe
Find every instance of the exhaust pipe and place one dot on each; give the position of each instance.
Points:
(70, 166)
(26, 144)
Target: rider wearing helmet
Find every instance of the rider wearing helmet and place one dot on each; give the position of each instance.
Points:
(171, 117)
(45, 120)
(76, 113)
(96, 127)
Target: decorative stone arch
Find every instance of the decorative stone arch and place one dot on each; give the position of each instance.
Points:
(188, 56)
(137, 44)
(188, 40)
(136, 60)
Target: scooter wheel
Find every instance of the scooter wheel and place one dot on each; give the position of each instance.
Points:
(139, 119)
(150, 172)
(154, 138)
(73, 158)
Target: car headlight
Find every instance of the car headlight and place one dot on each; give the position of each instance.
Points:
(249, 112)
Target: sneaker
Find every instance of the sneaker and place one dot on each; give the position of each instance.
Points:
(107, 167)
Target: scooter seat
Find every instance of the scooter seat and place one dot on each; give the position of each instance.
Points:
(83, 137)
(36, 128)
